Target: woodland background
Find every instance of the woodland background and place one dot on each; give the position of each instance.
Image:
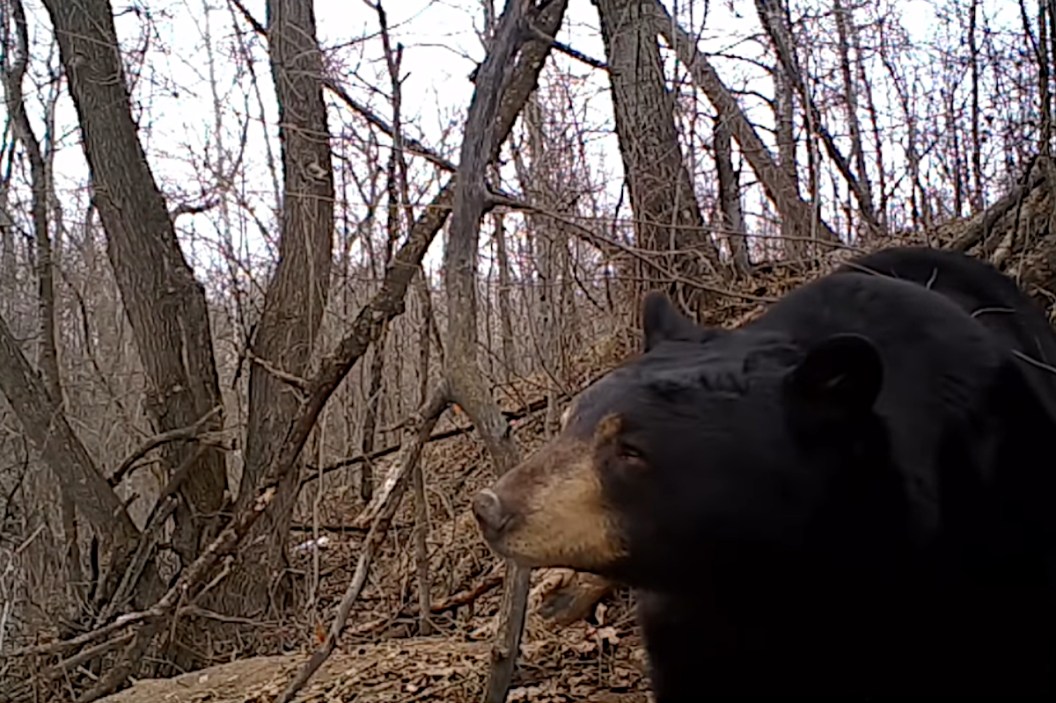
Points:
(283, 283)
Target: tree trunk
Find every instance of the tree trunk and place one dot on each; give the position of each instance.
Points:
(844, 30)
(874, 122)
(785, 117)
(1044, 82)
(509, 359)
(730, 197)
(79, 479)
(666, 213)
(165, 305)
(296, 295)
(977, 145)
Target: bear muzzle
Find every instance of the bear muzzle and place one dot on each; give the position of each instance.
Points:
(491, 515)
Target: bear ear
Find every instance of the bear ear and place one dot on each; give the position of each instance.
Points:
(662, 322)
(838, 377)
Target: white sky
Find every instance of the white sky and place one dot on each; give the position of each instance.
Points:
(441, 49)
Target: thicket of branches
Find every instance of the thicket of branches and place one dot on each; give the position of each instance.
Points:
(203, 335)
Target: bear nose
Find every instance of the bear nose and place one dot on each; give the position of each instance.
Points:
(489, 511)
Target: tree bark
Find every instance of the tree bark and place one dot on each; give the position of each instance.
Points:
(667, 216)
(784, 116)
(297, 293)
(50, 434)
(977, 197)
(774, 181)
(1041, 56)
(730, 197)
(165, 305)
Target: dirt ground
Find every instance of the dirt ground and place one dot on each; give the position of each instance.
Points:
(404, 671)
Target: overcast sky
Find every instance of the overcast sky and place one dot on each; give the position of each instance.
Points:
(441, 48)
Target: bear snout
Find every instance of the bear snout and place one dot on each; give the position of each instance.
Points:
(490, 513)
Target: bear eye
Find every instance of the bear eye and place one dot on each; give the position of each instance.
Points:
(630, 453)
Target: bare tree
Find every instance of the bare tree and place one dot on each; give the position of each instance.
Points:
(977, 145)
(14, 70)
(732, 215)
(667, 215)
(782, 193)
(780, 36)
(785, 119)
(481, 139)
(844, 30)
(48, 430)
(164, 303)
(297, 292)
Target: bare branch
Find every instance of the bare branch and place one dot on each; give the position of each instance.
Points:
(182, 434)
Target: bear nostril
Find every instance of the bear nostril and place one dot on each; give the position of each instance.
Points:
(488, 510)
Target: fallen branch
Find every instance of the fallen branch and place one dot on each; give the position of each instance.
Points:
(980, 229)
(467, 596)
(63, 645)
(416, 433)
(58, 670)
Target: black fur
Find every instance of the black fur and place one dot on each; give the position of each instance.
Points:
(853, 495)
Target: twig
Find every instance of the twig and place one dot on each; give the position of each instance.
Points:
(416, 433)
(326, 527)
(193, 208)
(466, 597)
(189, 433)
(58, 670)
(285, 376)
(510, 415)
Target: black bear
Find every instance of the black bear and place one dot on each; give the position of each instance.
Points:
(853, 495)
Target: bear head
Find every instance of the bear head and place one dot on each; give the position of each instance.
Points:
(710, 440)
